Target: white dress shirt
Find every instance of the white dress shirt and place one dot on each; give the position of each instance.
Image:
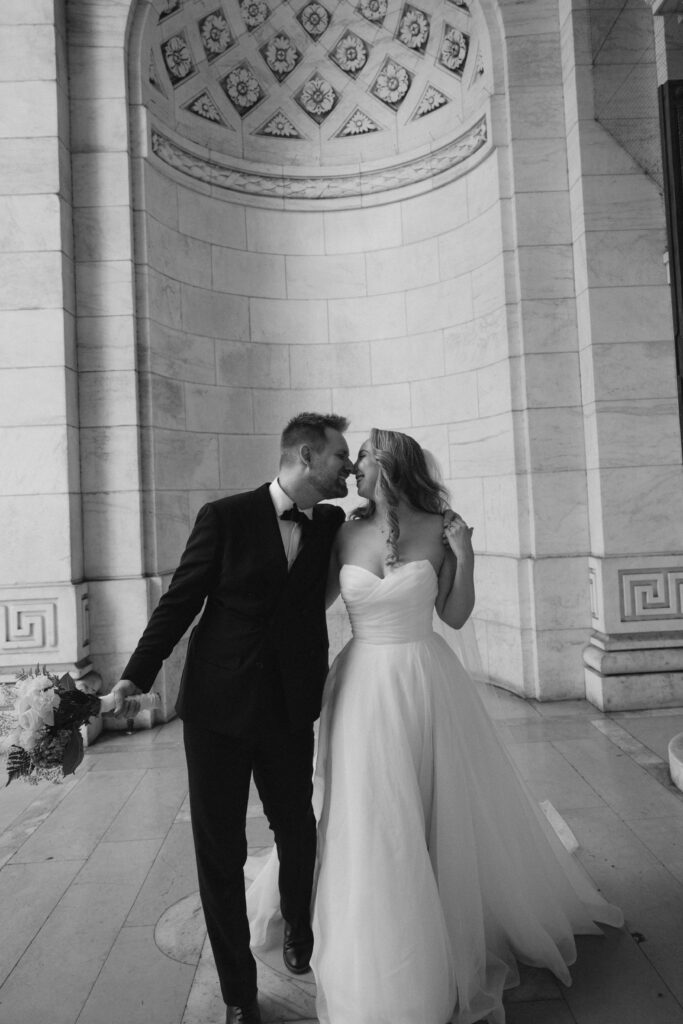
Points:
(290, 531)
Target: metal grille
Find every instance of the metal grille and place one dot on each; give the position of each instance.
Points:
(625, 80)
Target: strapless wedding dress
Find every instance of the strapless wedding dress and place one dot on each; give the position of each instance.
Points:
(436, 872)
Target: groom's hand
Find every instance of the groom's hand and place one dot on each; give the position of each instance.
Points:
(124, 693)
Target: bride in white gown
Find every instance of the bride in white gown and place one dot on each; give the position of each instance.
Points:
(436, 873)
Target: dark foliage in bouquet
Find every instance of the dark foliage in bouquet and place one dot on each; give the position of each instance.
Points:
(44, 740)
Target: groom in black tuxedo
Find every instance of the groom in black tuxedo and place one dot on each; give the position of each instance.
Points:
(252, 686)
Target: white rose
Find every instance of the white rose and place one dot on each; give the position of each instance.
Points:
(44, 702)
(32, 684)
(29, 723)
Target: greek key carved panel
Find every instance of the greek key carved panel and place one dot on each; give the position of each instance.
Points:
(651, 594)
(28, 625)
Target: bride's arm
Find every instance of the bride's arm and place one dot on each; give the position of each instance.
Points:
(332, 589)
(455, 598)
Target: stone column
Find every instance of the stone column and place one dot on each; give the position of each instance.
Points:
(630, 409)
(43, 599)
(104, 129)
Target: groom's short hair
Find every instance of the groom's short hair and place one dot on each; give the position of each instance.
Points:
(309, 428)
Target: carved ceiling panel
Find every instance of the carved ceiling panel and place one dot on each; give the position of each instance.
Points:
(338, 85)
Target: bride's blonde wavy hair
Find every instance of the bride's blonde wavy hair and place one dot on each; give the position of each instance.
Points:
(404, 472)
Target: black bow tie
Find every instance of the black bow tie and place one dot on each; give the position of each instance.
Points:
(296, 515)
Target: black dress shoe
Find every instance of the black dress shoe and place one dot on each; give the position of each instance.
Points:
(297, 948)
(249, 1014)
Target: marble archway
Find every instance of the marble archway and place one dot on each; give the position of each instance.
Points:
(528, 437)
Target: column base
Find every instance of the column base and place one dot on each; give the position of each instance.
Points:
(634, 672)
(676, 760)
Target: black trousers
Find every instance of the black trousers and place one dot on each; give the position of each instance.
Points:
(219, 771)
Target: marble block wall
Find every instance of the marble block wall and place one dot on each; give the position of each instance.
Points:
(392, 316)
(628, 388)
(514, 318)
(43, 600)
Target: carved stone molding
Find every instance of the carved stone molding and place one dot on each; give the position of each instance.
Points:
(629, 594)
(592, 590)
(28, 625)
(647, 594)
(291, 186)
(48, 624)
(635, 655)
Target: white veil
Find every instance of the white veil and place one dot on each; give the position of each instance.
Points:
(463, 642)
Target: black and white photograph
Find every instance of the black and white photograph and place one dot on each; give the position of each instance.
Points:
(341, 512)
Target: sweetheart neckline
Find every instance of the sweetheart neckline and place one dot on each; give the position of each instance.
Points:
(392, 572)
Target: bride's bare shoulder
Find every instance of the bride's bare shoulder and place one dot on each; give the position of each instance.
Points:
(429, 524)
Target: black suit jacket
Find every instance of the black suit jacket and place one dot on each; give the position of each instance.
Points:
(262, 634)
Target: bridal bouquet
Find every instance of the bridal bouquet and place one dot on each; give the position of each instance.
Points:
(43, 737)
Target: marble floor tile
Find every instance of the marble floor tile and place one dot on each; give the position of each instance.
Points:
(100, 885)
(28, 895)
(613, 983)
(627, 742)
(506, 706)
(541, 1012)
(67, 955)
(549, 776)
(96, 799)
(13, 837)
(622, 783)
(19, 796)
(150, 756)
(258, 832)
(563, 708)
(180, 932)
(152, 807)
(138, 984)
(172, 876)
(184, 810)
(624, 869)
(127, 861)
(550, 729)
(664, 838)
(282, 997)
(653, 731)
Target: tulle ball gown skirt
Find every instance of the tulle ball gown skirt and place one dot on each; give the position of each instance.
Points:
(436, 873)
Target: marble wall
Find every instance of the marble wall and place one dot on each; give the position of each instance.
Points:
(628, 384)
(158, 332)
(43, 605)
(392, 316)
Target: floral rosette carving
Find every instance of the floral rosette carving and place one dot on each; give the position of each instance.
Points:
(318, 98)
(242, 88)
(413, 30)
(254, 12)
(392, 84)
(453, 53)
(177, 58)
(373, 10)
(280, 127)
(358, 124)
(432, 99)
(215, 34)
(315, 19)
(281, 56)
(350, 54)
(204, 106)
